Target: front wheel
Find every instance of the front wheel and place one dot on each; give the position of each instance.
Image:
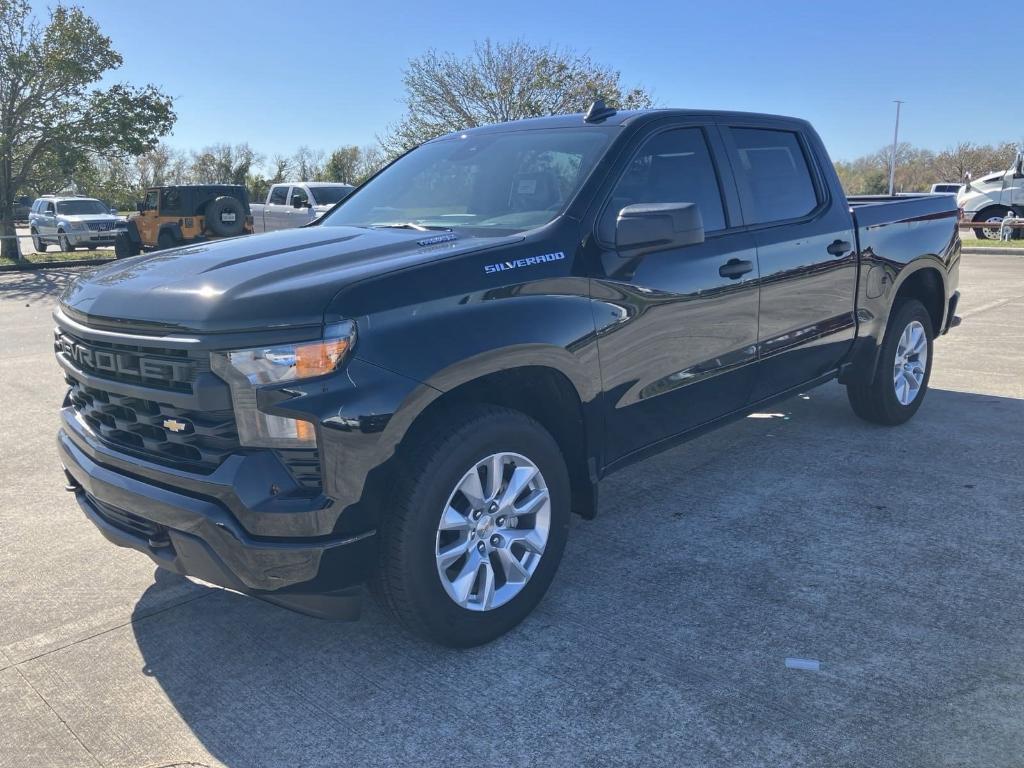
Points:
(904, 368)
(477, 527)
(37, 242)
(994, 218)
(64, 243)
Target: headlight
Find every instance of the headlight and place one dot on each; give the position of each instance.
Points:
(247, 370)
(77, 226)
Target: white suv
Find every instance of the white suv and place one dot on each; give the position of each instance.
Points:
(73, 222)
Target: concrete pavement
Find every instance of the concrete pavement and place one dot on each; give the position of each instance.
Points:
(892, 556)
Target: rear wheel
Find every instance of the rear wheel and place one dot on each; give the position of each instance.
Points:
(477, 528)
(993, 217)
(165, 240)
(904, 368)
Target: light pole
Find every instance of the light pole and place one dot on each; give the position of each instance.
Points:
(895, 142)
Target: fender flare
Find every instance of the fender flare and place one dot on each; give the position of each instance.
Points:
(174, 228)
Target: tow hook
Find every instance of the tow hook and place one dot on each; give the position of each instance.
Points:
(72, 485)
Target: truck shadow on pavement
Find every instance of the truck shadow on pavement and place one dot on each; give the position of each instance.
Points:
(889, 555)
(37, 284)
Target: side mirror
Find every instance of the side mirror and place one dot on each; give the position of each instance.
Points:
(113, 211)
(648, 227)
(967, 182)
(140, 207)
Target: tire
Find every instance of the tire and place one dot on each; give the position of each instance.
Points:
(409, 579)
(228, 208)
(124, 246)
(993, 216)
(63, 243)
(880, 401)
(93, 247)
(37, 242)
(166, 240)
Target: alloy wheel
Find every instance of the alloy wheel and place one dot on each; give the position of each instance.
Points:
(493, 531)
(911, 363)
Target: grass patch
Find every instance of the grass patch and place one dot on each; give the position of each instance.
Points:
(993, 243)
(52, 256)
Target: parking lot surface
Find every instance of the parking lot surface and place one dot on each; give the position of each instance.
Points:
(890, 556)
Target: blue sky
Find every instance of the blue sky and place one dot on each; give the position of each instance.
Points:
(280, 74)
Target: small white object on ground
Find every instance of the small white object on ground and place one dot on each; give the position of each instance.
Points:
(811, 664)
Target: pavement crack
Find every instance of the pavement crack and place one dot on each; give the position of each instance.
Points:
(56, 714)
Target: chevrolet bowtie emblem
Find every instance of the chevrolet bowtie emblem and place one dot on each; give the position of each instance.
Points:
(175, 426)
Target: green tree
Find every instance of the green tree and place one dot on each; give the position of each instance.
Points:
(49, 104)
(352, 164)
(498, 82)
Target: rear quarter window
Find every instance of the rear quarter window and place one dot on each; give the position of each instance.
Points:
(773, 175)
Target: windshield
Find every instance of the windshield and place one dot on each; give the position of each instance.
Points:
(81, 207)
(501, 181)
(329, 195)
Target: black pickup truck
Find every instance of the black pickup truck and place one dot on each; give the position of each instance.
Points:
(420, 388)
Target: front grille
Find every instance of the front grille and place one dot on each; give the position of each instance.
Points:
(173, 370)
(154, 533)
(100, 226)
(199, 441)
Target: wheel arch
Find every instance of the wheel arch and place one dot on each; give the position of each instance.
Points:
(927, 284)
(544, 392)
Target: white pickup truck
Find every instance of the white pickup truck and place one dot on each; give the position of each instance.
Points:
(993, 196)
(295, 203)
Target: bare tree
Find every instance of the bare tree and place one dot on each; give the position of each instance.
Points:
(500, 82)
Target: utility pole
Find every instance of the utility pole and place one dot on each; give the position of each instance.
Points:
(895, 143)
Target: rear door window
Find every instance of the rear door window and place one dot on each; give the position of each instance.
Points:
(279, 195)
(671, 167)
(773, 175)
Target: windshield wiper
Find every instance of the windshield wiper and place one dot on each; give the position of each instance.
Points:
(413, 225)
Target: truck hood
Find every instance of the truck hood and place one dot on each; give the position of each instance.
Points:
(277, 280)
(91, 217)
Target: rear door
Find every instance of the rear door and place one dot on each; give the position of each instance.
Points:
(679, 326)
(805, 252)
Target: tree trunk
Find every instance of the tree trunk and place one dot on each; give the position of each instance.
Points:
(8, 246)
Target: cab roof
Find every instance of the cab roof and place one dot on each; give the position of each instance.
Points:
(620, 119)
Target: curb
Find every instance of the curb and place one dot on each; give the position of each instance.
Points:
(992, 251)
(30, 265)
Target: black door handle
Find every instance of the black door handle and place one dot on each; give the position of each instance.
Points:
(735, 268)
(839, 247)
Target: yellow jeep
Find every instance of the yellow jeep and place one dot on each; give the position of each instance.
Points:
(183, 214)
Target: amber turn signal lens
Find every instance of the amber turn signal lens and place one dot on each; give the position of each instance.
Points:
(319, 358)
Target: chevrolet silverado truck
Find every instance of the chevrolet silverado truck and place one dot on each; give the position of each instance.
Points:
(421, 388)
(296, 204)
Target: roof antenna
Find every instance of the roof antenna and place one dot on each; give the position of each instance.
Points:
(598, 111)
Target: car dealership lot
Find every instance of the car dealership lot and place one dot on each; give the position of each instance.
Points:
(892, 556)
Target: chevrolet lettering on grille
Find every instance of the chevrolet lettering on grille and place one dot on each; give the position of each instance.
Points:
(123, 363)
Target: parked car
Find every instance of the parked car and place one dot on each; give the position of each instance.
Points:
(296, 204)
(990, 198)
(22, 207)
(421, 387)
(946, 189)
(71, 222)
(186, 213)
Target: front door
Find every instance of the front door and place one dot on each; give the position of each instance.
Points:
(806, 254)
(677, 328)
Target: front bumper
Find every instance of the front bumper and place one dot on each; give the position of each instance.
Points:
(92, 237)
(193, 531)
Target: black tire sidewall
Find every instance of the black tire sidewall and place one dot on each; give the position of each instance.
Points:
(64, 243)
(216, 208)
(905, 313)
(439, 615)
